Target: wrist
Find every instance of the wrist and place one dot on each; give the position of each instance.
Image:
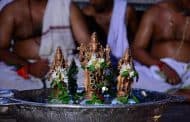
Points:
(160, 65)
(23, 71)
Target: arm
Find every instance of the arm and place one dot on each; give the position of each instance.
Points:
(38, 69)
(143, 39)
(79, 27)
(88, 10)
(6, 34)
(131, 21)
(141, 43)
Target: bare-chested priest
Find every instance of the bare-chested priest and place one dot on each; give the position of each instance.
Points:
(162, 47)
(22, 21)
(116, 23)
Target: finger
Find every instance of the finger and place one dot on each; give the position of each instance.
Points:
(171, 81)
(175, 81)
(168, 80)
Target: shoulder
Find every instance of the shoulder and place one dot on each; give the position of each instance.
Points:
(74, 8)
(88, 10)
(75, 13)
(130, 11)
(130, 8)
(153, 13)
(7, 13)
(159, 9)
(12, 8)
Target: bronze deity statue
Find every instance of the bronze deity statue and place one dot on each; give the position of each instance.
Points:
(92, 57)
(126, 75)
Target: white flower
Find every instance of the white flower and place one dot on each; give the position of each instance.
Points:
(104, 89)
(97, 65)
(123, 69)
(58, 69)
(144, 93)
(60, 76)
(89, 63)
(92, 61)
(62, 70)
(54, 75)
(128, 67)
(131, 74)
(93, 57)
(101, 60)
(66, 80)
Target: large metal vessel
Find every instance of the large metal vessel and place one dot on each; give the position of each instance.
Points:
(32, 106)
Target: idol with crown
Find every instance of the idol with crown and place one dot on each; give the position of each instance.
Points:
(95, 61)
(99, 75)
(127, 75)
(62, 78)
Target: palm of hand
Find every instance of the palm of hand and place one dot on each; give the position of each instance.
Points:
(39, 69)
(172, 76)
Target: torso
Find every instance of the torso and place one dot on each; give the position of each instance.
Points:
(170, 31)
(98, 22)
(28, 27)
(102, 22)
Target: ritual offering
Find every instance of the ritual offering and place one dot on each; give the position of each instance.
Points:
(98, 74)
(127, 75)
(107, 94)
(62, 78)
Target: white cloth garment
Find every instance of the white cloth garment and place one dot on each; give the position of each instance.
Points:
(117, 36)
(152, 79)
(3, 3)
(57, 33)
(57, 30)
(10, 80)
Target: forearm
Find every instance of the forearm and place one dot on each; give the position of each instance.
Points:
(144, 57)
(11, 58)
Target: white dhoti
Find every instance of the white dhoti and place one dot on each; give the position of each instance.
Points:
(117, 35)
(57, 32)
(151, 78)
(9, 79)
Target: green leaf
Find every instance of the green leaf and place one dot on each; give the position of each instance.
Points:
(135, 99)
(91, 68)
(136, 74)
(125, 74)
(89, 102)
(60, 86)
(94, 100)
(123, 100)
(103, 65)
(53, 83)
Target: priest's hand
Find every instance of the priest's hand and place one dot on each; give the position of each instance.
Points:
(39, 69)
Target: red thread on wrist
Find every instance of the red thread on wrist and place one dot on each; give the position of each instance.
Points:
(160, 64)
(23, 72)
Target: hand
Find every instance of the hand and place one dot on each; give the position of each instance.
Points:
(39, 69)
(172, 76)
